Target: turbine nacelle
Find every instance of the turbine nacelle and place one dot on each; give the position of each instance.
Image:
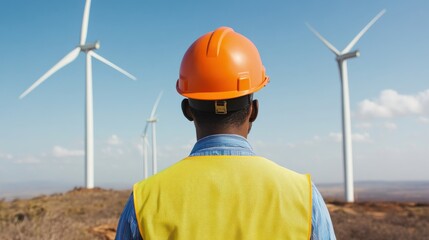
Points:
(90, 46)
(348, 55)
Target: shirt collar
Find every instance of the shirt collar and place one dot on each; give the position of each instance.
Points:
(222, 144)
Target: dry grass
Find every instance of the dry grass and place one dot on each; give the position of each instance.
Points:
(93, 214)
(78, 214)
(380, 220)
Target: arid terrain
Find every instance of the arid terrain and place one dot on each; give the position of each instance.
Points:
(93, 214)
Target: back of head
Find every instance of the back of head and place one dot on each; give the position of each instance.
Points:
(219, 73)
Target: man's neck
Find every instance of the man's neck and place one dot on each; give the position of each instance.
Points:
(241, 131)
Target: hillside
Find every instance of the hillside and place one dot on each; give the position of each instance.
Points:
(93, 214)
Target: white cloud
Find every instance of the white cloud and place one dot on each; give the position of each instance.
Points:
(62, 152)
(337, 137)
(390, 126)
(361, 137)
(290, 145)
(27, 160)
(356, 137)
(112, 151)
(6, 156)
(364, 125)
(391, 104)
(114, 140)
(424, 120)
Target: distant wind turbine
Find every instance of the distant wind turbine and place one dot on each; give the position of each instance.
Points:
(152, 120)
(342, 65)
(88, 49)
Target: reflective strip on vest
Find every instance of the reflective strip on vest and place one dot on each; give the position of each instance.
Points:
(224, 197)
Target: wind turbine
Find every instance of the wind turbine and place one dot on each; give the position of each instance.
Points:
(152, 120)
(341, 58)
(88, 49)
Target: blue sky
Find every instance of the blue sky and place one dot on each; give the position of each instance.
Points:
(42, 136)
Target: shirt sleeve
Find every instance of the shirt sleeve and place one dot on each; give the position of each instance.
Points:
(321, 224)
(127, 226)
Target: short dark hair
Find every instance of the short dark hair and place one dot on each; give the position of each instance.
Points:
(213, 120)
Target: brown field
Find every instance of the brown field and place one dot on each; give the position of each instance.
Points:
(93, 214)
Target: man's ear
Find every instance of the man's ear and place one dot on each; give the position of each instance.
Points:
(254, 112)
(186, 110)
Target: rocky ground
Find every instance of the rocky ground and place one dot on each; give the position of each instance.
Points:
(93, 214)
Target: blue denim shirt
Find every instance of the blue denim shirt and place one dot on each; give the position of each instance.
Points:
(226, 144)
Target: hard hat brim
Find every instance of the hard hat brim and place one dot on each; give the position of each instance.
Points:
(220, 95)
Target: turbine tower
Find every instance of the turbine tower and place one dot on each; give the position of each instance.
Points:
(341, 58)
(88, 49)
(152, 120)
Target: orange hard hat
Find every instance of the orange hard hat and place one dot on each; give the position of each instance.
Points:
(219, 65)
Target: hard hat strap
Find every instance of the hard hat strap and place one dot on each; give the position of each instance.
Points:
(221, 106)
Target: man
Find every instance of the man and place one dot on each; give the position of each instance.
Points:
(223, 190)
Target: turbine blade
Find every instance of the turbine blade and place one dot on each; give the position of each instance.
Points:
(145, 130)
(107, 62)
(328, 44)
(362, 32)
(63, 62)
(155, 106)
(85, 21)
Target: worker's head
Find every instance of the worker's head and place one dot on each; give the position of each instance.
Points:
(219, 73)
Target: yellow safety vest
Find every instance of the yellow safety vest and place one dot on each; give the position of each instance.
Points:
(224, 197)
